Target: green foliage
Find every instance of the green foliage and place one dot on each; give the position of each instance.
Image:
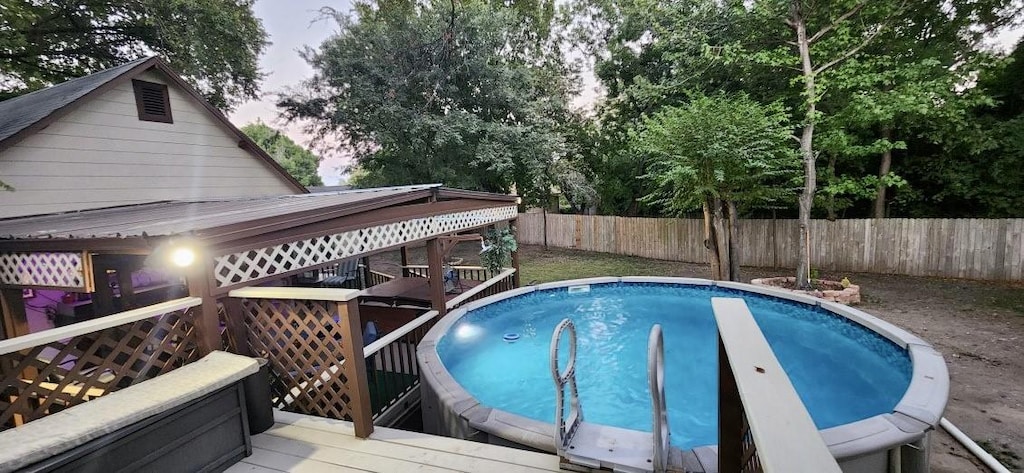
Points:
(214, 44)
(500, 244)
(298, 161)
(726, 147)
(431, 92)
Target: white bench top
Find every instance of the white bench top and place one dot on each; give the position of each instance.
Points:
(67, 429)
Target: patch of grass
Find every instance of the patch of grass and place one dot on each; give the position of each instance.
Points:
(1010, 299)
(1002, 452)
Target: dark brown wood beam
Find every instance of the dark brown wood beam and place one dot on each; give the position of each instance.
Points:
(435, 273)
(15, 320)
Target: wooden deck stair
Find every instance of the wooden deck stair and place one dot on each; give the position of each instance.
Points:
(303, 443)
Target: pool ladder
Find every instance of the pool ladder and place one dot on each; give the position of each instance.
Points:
(583, 444)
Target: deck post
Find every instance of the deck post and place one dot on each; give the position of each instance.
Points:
(730, 417)
(103, 295)
(364, 275)
(404, 252)
(435, 277)
(234, 320)
(15, 321)
(516, 283)
(355, 367)
(206, 319)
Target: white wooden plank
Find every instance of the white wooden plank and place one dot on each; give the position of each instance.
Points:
(537, 460)
(12, 345)
(269, 460)
(169, 133)
(446, 460)
(785, 435)
(337, 455)
(45, 155)
(169, 169)
(297, 293)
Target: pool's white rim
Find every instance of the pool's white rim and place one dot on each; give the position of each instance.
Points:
(918, 411)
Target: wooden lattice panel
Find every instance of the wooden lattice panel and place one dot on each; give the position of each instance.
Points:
(305, 347)
(243, 267)
(57, 270)
(48, 378)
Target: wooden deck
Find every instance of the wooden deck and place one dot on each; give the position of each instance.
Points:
(314, 444)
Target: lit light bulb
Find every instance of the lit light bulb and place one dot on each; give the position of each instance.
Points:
(183, 257)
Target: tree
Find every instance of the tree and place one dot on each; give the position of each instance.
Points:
(718, 153)
(464, 93)
(214, 44)
(298, 161)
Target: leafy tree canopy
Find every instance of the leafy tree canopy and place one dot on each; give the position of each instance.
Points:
(718, 147)
(214, 44)
(463, 93)
(298, 161)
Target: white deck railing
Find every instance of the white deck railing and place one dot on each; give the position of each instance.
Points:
(23, 342)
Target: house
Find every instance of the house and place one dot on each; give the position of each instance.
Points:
(126, 135)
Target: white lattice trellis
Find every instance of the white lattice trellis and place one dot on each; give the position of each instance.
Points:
(238, 268)
(57, 270)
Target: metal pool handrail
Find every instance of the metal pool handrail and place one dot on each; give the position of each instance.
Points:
(656, 380)
(564, 431)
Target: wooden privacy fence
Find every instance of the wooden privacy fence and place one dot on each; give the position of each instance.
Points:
(959, 248)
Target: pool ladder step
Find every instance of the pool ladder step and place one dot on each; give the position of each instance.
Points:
(588, 445)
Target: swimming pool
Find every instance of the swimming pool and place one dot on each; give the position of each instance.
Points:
(868, 385)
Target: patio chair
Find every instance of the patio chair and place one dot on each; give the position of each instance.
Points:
(347, 270)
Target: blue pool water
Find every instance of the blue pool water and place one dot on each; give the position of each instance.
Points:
(842, 371)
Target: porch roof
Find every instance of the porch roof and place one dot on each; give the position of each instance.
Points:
(242, 241)
(214, 219)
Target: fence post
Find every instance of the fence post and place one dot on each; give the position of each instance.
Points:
(355, 367)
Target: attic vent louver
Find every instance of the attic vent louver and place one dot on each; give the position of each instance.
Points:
(152, 101)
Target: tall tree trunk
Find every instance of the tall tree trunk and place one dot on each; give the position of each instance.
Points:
(711, 242)
(883, 169)
(544, 211)
(830, 205)
(806, 148)
(734, 238)
(722, 239)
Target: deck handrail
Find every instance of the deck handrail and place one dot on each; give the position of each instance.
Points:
(12, 345)
(379, 344)
(423, 266)
(296, 293)
(783, 436)
(455, 301)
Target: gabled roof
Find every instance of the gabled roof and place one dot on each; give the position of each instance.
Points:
(26, 114)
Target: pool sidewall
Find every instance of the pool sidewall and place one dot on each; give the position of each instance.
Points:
(448, 409)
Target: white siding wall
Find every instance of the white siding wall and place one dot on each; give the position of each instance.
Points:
(101, 155)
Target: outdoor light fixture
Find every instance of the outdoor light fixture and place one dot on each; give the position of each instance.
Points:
(174, 254)
(183, 256)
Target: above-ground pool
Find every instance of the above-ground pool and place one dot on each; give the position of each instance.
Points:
(868, 385)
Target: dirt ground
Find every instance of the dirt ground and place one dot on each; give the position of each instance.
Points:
(977, 325)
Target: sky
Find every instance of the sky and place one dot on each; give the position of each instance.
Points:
(294, 24)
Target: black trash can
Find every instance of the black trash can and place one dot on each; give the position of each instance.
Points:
(257, 399)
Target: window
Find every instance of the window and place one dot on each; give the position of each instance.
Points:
(152, 101)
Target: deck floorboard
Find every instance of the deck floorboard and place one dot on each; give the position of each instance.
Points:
(299, 443)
